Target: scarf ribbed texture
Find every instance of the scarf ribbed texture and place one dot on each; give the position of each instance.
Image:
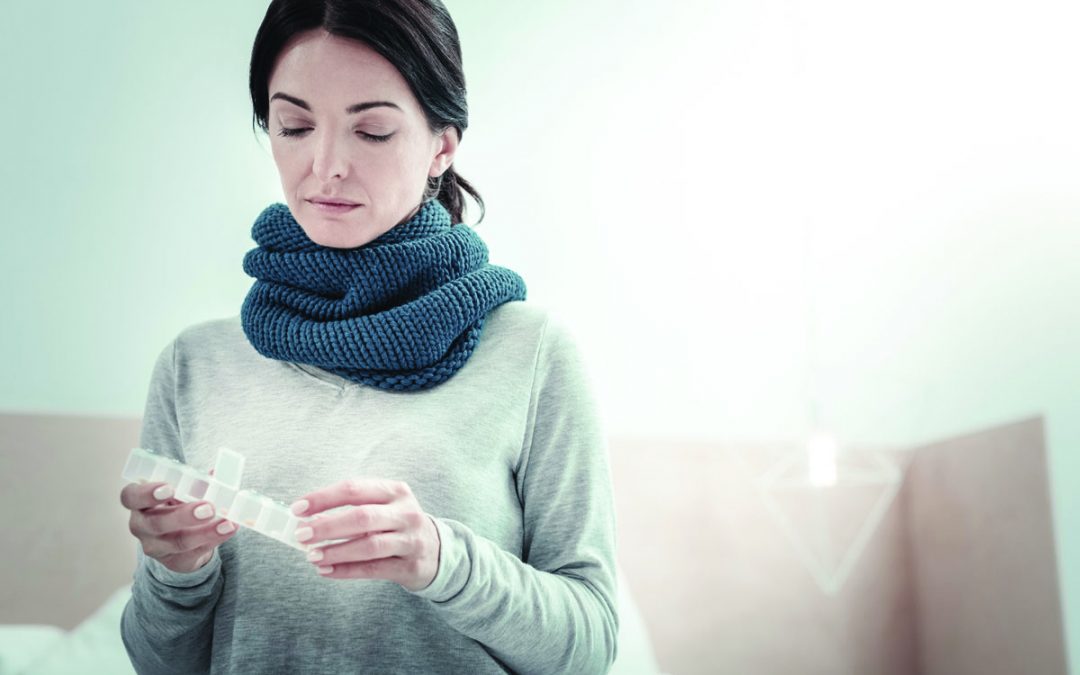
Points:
(403, 312)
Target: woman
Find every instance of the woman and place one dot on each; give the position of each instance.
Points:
(389, 382)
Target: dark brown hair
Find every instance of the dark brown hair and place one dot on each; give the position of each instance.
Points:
(417, 36)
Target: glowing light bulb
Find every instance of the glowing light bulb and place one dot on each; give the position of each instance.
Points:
(821, 460)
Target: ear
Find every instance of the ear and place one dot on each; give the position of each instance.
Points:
(445, 145)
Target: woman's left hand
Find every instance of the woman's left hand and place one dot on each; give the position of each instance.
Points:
(389, 535)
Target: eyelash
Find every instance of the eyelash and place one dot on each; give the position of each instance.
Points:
(285, 131)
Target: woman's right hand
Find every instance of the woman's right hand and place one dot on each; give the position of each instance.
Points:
(182, 536)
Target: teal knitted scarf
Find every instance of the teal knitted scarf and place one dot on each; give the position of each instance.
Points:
(402, 312)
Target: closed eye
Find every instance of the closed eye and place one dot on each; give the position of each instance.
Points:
(300, 131)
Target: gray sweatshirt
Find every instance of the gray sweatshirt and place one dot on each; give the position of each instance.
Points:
(508, 456)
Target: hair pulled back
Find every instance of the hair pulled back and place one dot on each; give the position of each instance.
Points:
(417, 36)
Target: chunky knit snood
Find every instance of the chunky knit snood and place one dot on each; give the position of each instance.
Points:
(403, 312)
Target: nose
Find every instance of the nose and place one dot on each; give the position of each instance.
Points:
(331, 157)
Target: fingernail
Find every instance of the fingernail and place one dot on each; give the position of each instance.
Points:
(300, 506)
(225, 527)
(315, 556)
(326, 570)
(163, 492)
(204, 511)
(304, 533)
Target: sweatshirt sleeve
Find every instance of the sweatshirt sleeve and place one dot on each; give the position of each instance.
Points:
(168, 622)
(553, 610)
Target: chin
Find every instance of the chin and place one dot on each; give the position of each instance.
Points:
(340, 240)
(335, 233)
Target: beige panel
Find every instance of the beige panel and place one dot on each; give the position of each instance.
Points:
(983, 552)
(722, 590)
(66, 545)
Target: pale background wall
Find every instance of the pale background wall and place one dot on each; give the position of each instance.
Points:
(750, 210)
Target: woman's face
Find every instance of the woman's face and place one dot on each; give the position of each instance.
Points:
(346, 129)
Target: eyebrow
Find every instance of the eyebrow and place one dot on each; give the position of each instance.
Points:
(353, 109)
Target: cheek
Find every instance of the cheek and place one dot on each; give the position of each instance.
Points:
(410, 167)
(280, 157)
(386, 169)
(288, 160)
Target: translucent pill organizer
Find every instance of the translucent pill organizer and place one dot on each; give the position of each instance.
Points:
(243, 507)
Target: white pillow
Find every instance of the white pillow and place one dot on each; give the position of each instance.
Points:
(94, 646)
(22, 644)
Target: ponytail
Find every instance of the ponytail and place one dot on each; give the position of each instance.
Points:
(450, 190)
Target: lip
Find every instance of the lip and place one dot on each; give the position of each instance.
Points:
(334, 205)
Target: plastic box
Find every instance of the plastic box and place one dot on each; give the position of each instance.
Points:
(247, 508)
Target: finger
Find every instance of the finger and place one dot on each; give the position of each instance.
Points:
(197, 557)
(138, 496)
(353, 492)
(138, 524)
(352, 523)
(189, 539)
(168, 519)
(374, 547)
